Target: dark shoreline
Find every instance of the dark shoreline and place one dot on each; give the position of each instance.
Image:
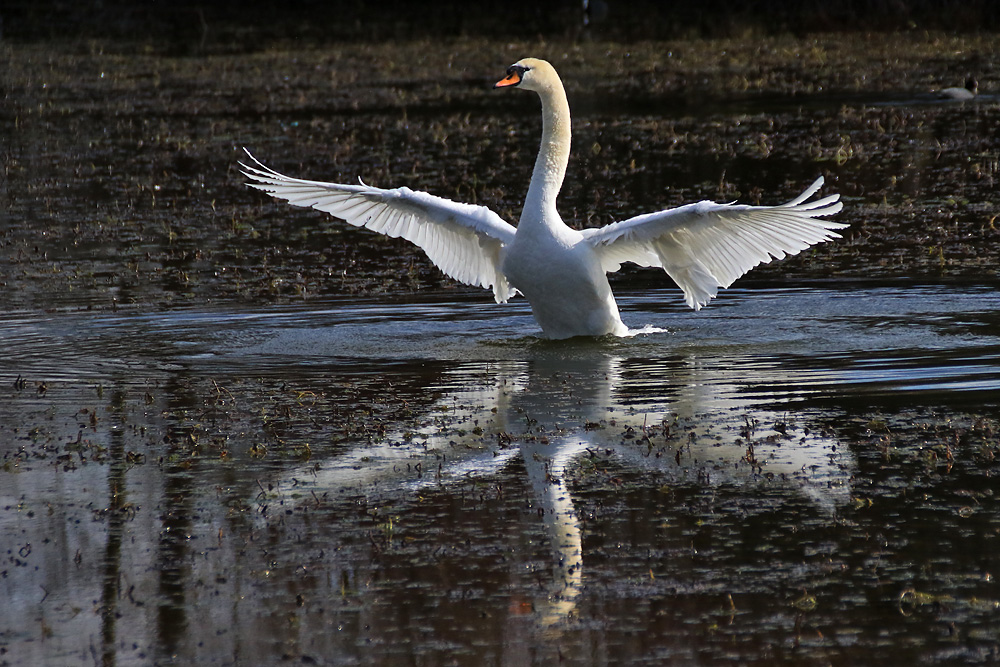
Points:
(190, 28)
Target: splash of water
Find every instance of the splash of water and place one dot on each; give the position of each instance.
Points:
(646, 330)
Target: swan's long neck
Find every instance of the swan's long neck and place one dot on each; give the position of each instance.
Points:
(553, 154)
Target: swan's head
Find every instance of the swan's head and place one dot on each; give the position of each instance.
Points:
(530, 74)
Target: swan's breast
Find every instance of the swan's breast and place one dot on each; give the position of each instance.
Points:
(540, 259)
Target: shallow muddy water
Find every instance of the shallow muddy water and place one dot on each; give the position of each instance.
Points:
(232, 432)
(370, 482)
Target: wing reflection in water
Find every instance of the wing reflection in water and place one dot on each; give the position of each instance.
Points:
(570, 410)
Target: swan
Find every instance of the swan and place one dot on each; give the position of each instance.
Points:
(957, 93)
(561, 271)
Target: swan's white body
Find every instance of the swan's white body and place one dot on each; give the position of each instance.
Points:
(961, 94)
(561, 271)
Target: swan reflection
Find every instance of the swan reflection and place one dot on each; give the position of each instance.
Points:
(682, 421)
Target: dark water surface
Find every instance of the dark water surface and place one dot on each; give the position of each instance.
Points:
(234, 433)
(360, 482)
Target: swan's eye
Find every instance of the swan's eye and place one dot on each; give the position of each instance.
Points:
(517, 70)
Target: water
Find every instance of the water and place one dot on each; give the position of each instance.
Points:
(232, 432)
(320, 479)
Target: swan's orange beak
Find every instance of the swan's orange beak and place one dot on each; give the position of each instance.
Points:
(512, 79)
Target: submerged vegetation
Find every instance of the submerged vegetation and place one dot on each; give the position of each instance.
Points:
(120, 186)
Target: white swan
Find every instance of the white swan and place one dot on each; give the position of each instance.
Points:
(962, 94)
(562, 271)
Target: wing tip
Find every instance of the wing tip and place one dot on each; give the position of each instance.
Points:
(813, 188)
(261, 173)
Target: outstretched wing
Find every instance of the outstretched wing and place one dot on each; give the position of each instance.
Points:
(465, 241)
(705, 246)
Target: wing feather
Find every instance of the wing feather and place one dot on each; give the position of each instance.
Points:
(705, 246)
(465, 241)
